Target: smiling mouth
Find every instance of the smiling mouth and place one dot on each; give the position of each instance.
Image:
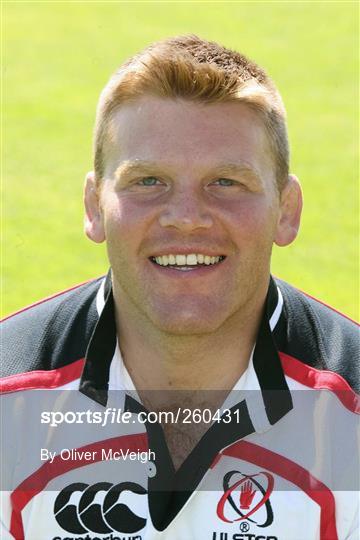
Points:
(187, 262)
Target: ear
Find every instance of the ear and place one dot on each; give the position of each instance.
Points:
(290, 212)
(93, 224)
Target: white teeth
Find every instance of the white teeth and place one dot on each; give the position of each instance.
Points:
(180, 260)
(187, 260)
(191, 259)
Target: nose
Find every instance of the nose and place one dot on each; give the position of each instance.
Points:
(186, 211)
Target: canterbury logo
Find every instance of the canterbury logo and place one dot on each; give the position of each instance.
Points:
(80, 508)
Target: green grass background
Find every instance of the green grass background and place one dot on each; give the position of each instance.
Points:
(58, 55)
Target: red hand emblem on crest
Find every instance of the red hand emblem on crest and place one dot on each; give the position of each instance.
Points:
(247, 494)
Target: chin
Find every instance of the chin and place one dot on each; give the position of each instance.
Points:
(186, 324)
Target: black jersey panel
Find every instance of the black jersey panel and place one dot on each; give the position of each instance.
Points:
(318, 335)
(51, 334)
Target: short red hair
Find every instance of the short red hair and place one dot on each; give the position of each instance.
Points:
(191, 68)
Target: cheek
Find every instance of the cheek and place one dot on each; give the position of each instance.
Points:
(250, 219)
(125, 222)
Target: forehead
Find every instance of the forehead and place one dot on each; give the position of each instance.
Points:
(178, 133)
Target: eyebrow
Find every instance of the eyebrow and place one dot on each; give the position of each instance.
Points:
(240, 168)
(127, 167)
(222, 169)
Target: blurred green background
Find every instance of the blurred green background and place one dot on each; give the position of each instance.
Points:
(57, 56)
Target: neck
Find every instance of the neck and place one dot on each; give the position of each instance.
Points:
(163, 361)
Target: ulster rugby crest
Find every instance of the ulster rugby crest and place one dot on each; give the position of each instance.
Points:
(246, 497)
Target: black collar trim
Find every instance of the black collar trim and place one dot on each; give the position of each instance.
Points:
(94, 382)
(275, 392)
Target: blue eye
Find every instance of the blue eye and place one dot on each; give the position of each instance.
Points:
(225, 182)
(149, 181)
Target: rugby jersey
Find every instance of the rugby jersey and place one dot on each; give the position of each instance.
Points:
(280, 462)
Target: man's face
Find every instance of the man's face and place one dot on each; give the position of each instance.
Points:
(189, 210)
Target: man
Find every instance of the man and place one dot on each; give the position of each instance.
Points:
(190, 191)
